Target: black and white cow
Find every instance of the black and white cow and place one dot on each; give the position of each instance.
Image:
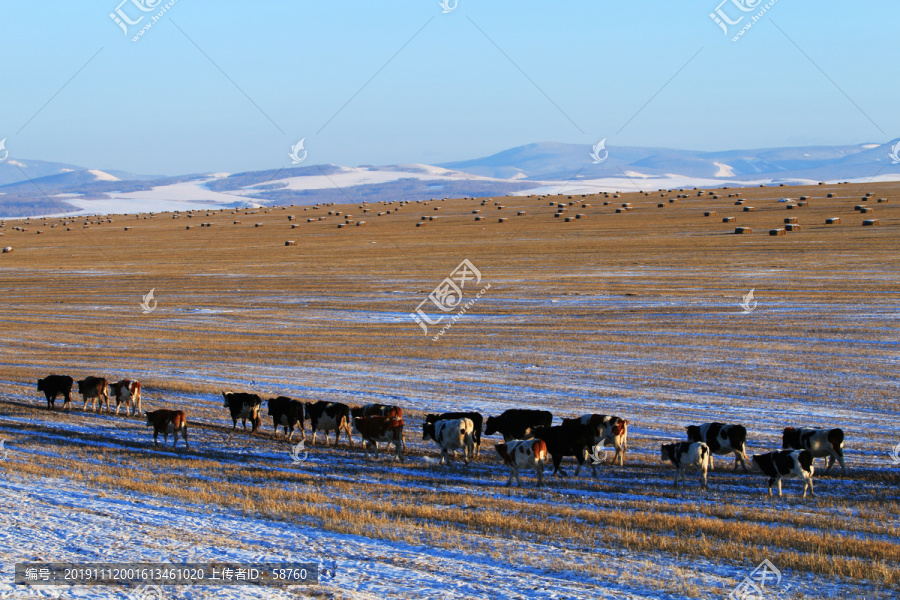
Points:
(244, 407)
(477, 422)
(518, 423)
(687, 455)
(722, 439)
(286, 413)
(786, 463)
(820, 442)
(329, 416)
(614, 431)
(56, 385)
(452, 435)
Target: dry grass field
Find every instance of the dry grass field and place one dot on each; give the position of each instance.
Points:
(635, 313)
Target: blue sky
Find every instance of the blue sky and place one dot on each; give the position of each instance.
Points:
(230, 86)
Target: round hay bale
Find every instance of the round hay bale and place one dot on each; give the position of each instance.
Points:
(476, 211)
(791, 220)
(360, 223)
(709, 213)
(290, 243)
(606, 203)
(749, 208)
(557, 215)
(660, 205)
(295, 226)
(342, 225)
(803, 203)
(580, 216)
(189, 227)
(237, 222)
(290, 217)
(626, 204)
(866, 209)
(502, 220)
(870, 222)
(790, 206)
(587, 205)
(804, 197)
(673, 200)
(437, 208)
(831, 195)
(258, 225)
(739, 203)
(432, 218)
(743, 230)
(833, 221)
(882, 200)
(7, 250)
(859, 207)
(501, 207)
(479, 218)
(126, 229)
(728, 219)
(620, 210)
(521, 212)
(792, 227)
(779, 231)
(568, 219)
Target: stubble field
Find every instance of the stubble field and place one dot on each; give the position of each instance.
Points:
(636, 314)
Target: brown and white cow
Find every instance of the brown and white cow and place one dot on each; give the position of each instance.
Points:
(376, 429)
(127, 392)
(166, 422)
(452, 435)
(687, 455)
(828, 443)
(614, 431)
(95, 389)
(523, 454)
(786, 463)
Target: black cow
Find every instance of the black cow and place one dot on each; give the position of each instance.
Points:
(518, 423)
(56, 385)
(722, 439)
(286, 412)
(244, 407)
(573, 439)
(329, 416)
(477, 421)
(786, 463)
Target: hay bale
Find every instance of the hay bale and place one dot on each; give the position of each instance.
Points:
(833, 221)
(749, 208)
(360, 223)
(126, 229)
(587, 205)
(258, 225)
(295, 226)
(569, 219)
(618, 210)
(791, 220)
(804, 198)
(237, 222)
(859, 207)
(739, 203)
(728, 219)
(660, 205)
(290, 243)
(870, 222)
(290, 217)
(432, 218)
(626, 204)
(521, 212)
(479, 218)
(792, 227)
(502, 220)
(673, 200)
(476, 211)
(779, 231)
(882, 200)
(804, 203)
(606, 204)
(743, 230)
(790, 206)
(866, 209)
(831, 195)
(580, 216)
(342, 225)
(189, 227)
(557, 215)
(435, 208)
(709, 213)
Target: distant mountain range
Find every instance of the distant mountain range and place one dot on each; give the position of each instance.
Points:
(33, 187)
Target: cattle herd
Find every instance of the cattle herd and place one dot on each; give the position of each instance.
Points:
(528, 435)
